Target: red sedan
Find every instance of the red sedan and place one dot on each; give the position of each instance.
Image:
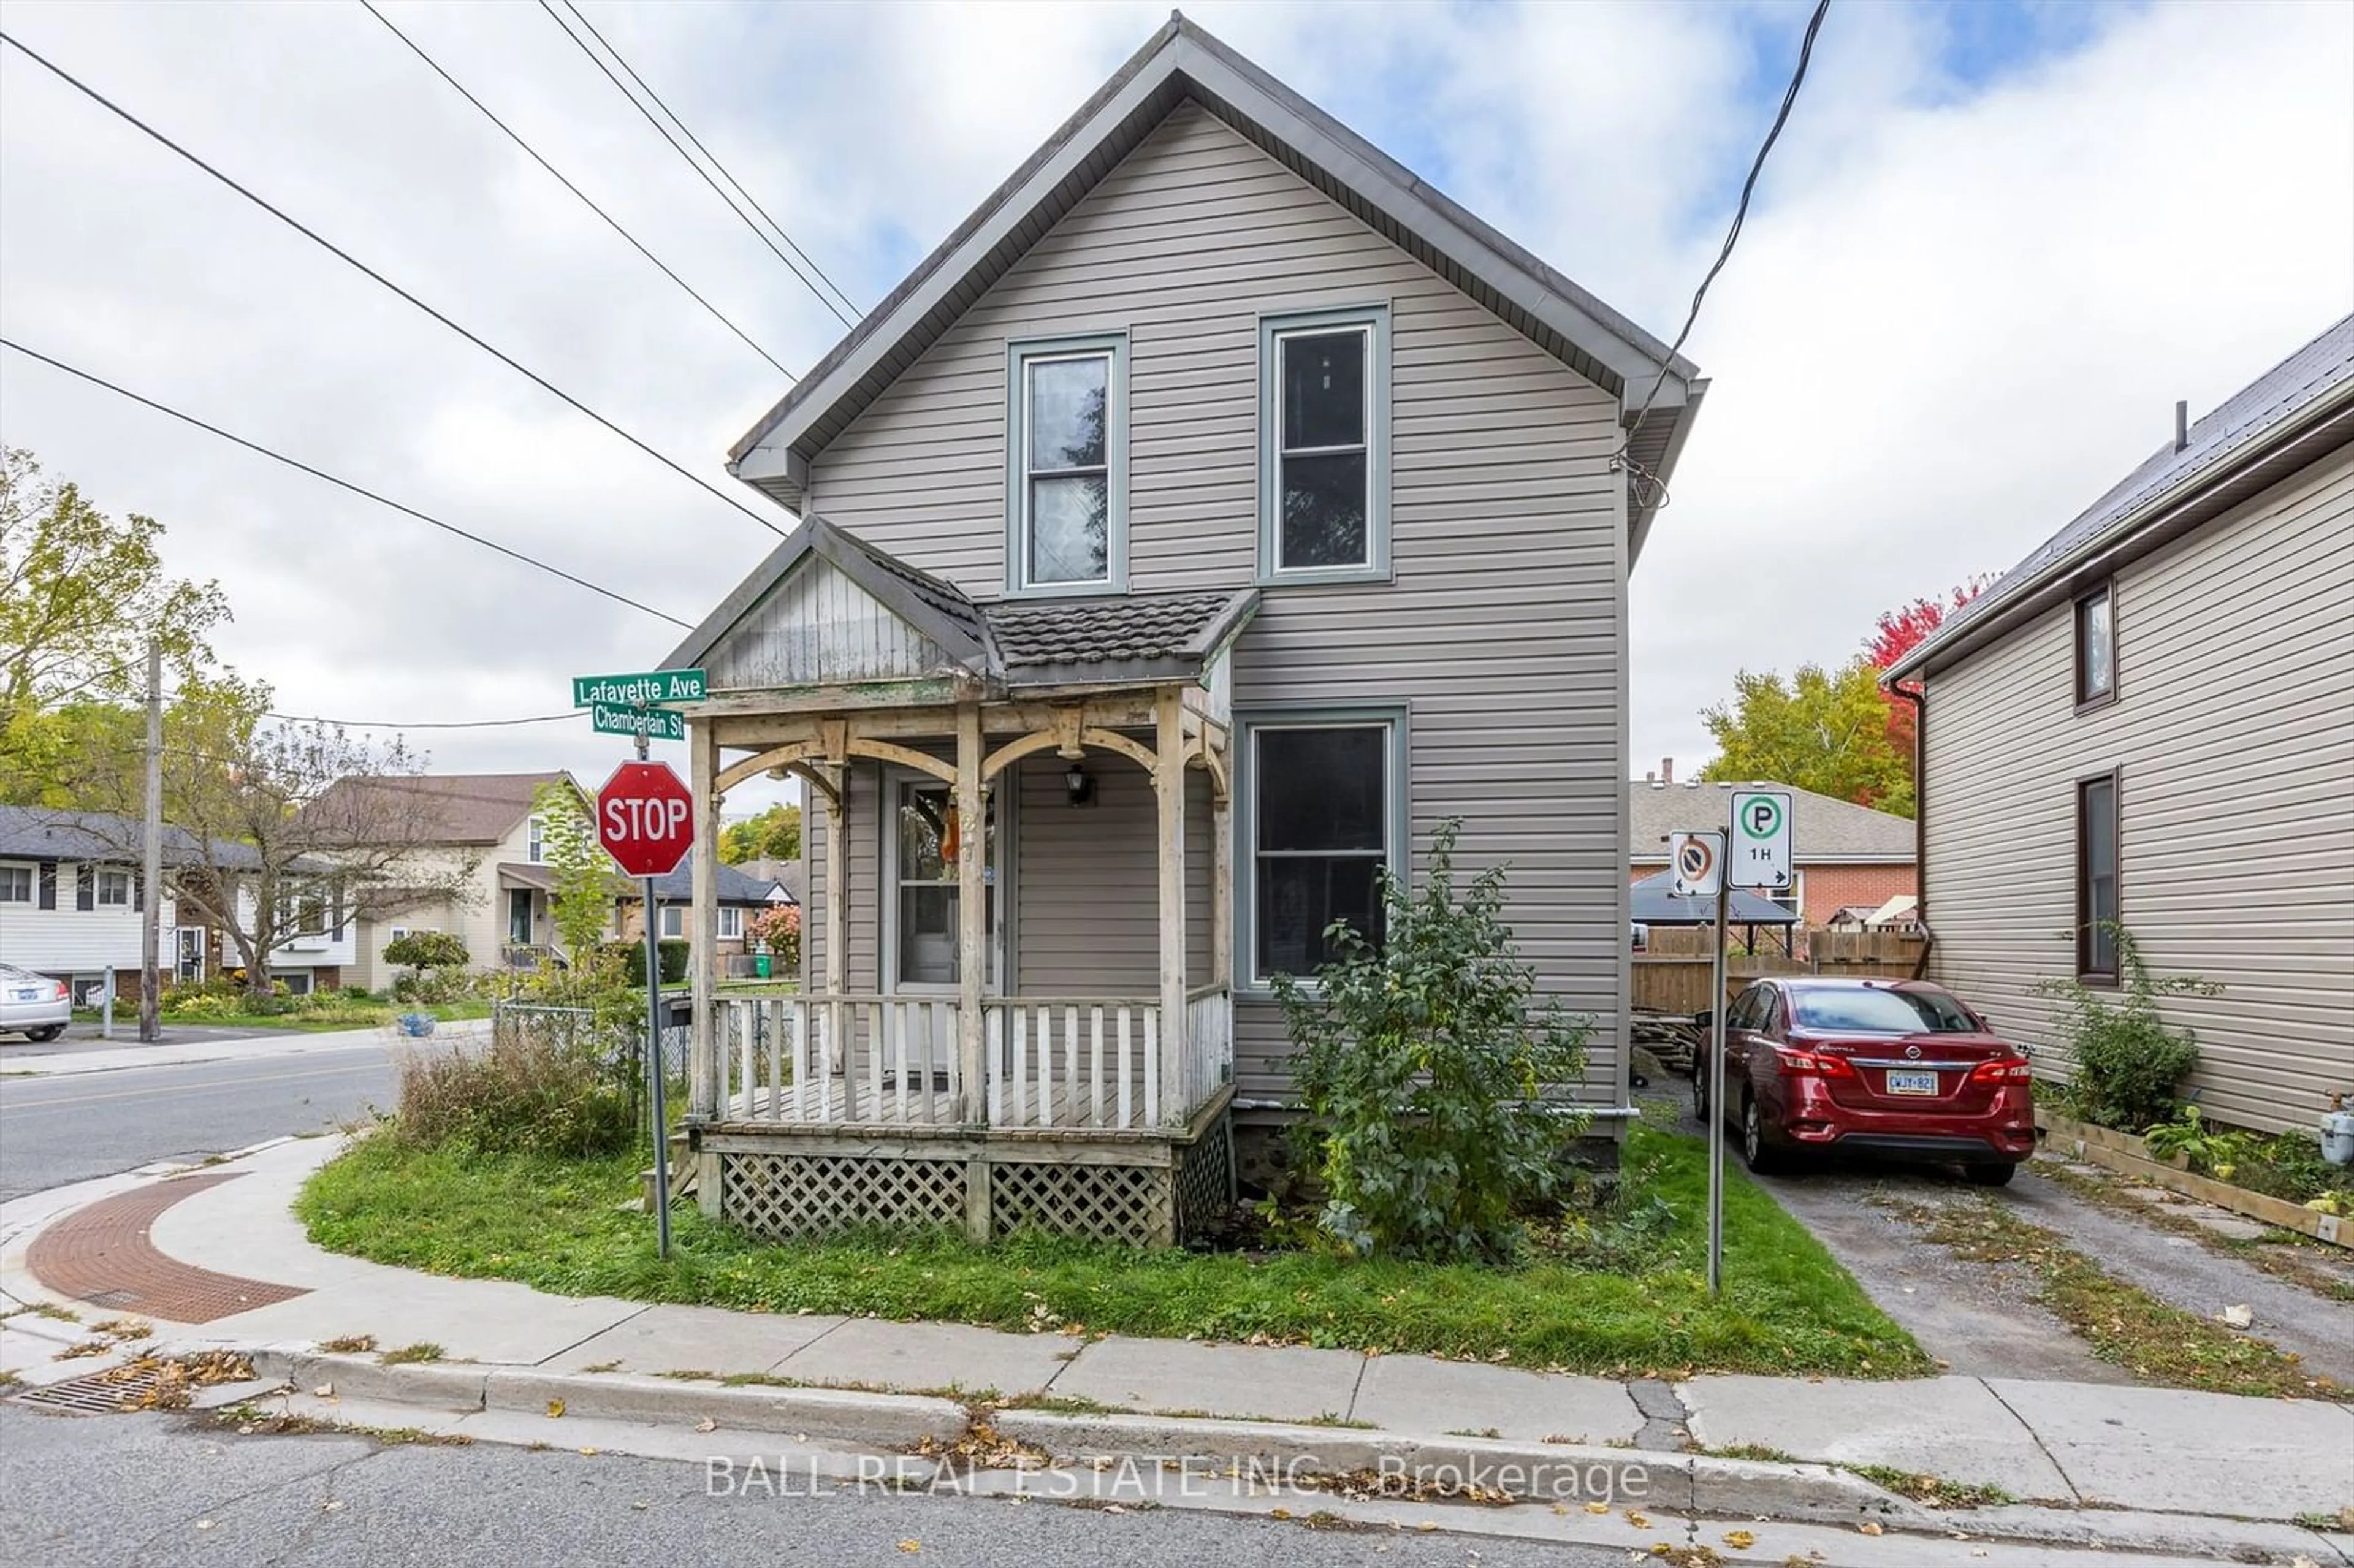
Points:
(1878, 1067)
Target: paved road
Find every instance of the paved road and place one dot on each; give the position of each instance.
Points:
(98, 1491)
(61, 1130)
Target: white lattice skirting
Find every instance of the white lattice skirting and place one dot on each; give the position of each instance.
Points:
(789, 1195)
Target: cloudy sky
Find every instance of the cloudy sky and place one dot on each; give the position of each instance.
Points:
(1997, 241)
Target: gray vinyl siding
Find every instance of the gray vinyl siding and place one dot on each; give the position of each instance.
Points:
(1084, 882)
(2233, 736)
(1503, 631)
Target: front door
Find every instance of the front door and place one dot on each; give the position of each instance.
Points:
(189, 962)
(519, 917)
(921, 872)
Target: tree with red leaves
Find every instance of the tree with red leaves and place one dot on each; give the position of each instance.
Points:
(1903, 629)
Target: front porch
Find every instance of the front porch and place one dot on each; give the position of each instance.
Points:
(994, 1033)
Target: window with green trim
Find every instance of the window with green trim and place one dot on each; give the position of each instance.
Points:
(1066, 466)
(1324, 439)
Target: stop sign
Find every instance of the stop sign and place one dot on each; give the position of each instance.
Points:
(646, 818)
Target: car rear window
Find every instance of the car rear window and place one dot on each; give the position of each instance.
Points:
(1876, 1012)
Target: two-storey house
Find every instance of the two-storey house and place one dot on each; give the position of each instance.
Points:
(2147, 726)
(1216, 513)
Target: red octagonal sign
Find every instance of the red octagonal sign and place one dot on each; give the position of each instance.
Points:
(646, 818)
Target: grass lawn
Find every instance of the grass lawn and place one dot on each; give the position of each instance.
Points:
(1788, 1307)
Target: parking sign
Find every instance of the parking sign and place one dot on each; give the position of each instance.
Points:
(1761, 839)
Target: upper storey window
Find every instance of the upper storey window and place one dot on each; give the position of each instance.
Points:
(2096, 646)
(1324, 446)
(1066, 491)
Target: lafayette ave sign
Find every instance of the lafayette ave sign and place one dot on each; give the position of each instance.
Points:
(646, 818)
(649, 689)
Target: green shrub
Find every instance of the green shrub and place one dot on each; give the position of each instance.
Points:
(527, 1094)
(427, 950)
(2127, 1061)
(1431, 1075)
(631, 958)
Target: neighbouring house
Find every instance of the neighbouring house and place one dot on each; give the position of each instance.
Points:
(1900, 913)
(2149, 722)
(790, 875)
(739, 897)
(71, 907)
(482, 855)
(1216, 513)
(1842, 853)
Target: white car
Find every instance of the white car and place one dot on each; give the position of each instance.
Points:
(34, 1006)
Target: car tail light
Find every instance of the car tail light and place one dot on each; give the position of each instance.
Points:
(2003, 1069)
(1798, 1064)
(59, 994)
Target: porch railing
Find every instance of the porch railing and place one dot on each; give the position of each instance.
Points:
(1051, 1062)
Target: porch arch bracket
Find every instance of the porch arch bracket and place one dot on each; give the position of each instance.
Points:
(1014, 750)
(801, 752)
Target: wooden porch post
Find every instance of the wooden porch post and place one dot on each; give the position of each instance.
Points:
(1169, 786)
(837, 933)
(704, 1067)
(972, 918)
(1222, 887)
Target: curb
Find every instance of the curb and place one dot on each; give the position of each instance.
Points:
(1546, 1472)
(880, 1420)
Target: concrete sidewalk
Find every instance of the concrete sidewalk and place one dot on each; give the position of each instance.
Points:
(261, 1044)
(2181, 1459)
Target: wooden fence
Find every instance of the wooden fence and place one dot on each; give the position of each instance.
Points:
(1676, 979)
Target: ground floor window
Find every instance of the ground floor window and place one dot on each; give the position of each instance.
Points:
(1324, 814)
(296, 982)
(2096, 877)
(921, 867)
(673, 920)
(16, 885)
(731, 923)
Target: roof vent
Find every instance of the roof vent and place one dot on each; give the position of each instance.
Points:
(2181, 424)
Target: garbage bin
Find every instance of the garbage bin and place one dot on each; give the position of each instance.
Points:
(760, 965)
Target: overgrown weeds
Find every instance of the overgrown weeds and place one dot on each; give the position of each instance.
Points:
(526, 1093)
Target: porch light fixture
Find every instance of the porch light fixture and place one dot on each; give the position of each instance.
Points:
(1078, 785)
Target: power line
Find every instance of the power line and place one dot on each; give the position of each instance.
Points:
(621, 60)
(790, 265)
(610, 221)
(1731, 235)
(333, 248)
(433, 724)
(512, 555)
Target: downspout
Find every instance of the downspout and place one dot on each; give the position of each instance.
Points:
(1918, 700)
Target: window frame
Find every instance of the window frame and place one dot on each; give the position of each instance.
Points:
(534, 844)
(731, 915)
(1020, 355)
(8, 874)
(1373, 320)
(2105, 591)
(102, 879)
(667, 916)
(2086, 974)
(1397, 849)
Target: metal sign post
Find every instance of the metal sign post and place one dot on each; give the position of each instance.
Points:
(1699, 863)
(655, 1060)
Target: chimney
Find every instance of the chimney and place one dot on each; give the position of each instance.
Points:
(2181, 424)
(1666, 770)
(1652, 779)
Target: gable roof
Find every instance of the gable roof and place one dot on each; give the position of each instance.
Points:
(1822, 827)
(734, 886)
(1135, 636)
(38, 833)
(454, 808)
(1182, 62)
(2277, 424)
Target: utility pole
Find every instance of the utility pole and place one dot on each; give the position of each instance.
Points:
(151, 855)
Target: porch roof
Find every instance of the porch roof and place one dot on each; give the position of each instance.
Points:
(1004, 645)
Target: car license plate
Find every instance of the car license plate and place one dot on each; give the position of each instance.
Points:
(1911, 1082)
(29, 996)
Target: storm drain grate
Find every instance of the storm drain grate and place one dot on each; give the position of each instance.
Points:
(93, 1393)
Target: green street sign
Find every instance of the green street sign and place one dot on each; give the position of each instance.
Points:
(655, 724)
(644, 690)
